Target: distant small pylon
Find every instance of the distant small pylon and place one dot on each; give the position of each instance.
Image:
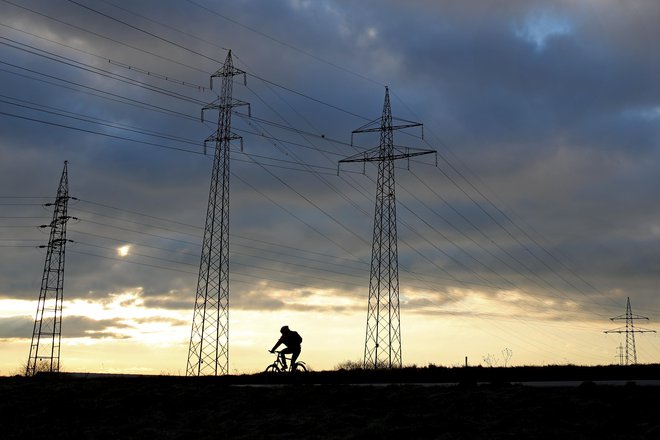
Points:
(619, 354)
(630, 330)
(47, 330)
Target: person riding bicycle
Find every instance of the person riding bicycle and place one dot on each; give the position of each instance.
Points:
(292, 340)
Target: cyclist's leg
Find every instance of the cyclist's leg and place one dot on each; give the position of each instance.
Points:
(295, 352)
(287, 350)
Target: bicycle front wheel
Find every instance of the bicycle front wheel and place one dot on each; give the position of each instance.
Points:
(272, 368)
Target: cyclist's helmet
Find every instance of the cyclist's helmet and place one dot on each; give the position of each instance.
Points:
(284, 329)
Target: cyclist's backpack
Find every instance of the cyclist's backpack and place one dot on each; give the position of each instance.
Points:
(296, 338)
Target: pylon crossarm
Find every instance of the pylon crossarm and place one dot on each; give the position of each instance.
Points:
(226, 72)
(215, 105)
(623, 317)
(211, 106)
(371, 155)
(410, 152)
(215, 138)
(633, 330)
(644, 330)
(378, 129)
(616, 330)
(374, 155)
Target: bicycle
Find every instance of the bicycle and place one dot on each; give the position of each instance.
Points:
(278, 365)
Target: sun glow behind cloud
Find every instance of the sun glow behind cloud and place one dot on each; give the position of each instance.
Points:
(123, 251)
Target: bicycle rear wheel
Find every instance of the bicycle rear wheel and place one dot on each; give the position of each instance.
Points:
(300, 367)
(272, 368)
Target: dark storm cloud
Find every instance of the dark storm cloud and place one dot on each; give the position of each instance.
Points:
(554, 104)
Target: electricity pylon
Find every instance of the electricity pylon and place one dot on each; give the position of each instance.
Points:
(208, 352)
(619, 354)
(382, 348)
(629, 330)
(47, 330)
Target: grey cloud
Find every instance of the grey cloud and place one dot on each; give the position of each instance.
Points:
(160, 319)
(72, 327)
(169, 303)
(16, 327)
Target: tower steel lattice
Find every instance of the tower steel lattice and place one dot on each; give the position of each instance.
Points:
(208, 352)
(382, 348)
(629, 330)
(619, 354)
(47, 330)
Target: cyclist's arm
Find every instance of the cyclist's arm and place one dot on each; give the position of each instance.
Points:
(277, 344)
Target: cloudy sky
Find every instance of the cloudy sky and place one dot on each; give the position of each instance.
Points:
(537, 223)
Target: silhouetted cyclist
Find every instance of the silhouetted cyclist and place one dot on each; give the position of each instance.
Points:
(292, 340)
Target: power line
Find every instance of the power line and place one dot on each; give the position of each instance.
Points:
(54, 124)
(173, 43)
(441, 250)
(93, 69)
(104, 37)
(279, 245)
(152, 144)
(509, 219)
(237, 253)
(84, 118)
(261, 249)
(242, 237)
(290, 46)
(412, 229)
(134, 101)
(149, 73)
(119, 99)
(436, 247)
(150, 19)
(456, 279)
(182, 64)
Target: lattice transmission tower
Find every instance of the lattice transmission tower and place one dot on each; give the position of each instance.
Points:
(619, 354)
(208, 352)
(382, 348)
(47, 330)
(629, 330)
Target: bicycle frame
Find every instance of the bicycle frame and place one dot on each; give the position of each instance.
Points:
(278, 365)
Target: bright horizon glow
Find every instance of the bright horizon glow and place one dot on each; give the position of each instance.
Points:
(143, 340)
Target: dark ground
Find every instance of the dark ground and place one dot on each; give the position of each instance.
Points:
(322, 405)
